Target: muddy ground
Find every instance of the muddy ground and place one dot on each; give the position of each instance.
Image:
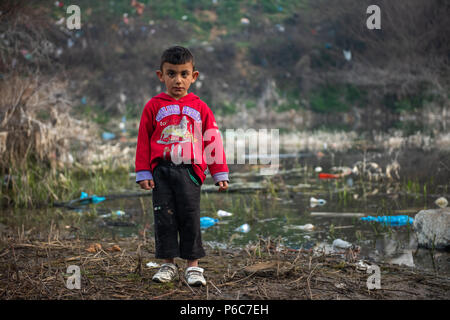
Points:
(117, 270)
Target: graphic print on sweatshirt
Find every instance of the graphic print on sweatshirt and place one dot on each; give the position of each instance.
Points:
(176, 133)
(181, 132)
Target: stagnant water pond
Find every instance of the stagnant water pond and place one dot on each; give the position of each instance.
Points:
(279, 206)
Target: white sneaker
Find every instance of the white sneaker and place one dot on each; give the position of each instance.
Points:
(194, 276)
(166, 273)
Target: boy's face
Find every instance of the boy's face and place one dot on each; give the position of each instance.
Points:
(177, 78)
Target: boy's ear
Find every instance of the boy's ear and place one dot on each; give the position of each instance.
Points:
(194, 76)
(160, 75)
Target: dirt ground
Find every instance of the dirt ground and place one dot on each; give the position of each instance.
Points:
(118, 270)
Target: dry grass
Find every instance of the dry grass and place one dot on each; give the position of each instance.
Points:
(32, 269)
(35, 122)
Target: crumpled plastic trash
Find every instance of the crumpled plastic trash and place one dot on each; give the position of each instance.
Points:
(441, 202)
(313, 202)
(400, 220)
(223, 213)
(86, 199)
(152, 265)
(117, 213)
(306, 227)
(206, 222)
(361, 265)
(108, 135)
(243, 228)
(342, 244)
(347, 54)
(329, 176)
(245, 21)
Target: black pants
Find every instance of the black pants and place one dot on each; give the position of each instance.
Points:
(176, 205)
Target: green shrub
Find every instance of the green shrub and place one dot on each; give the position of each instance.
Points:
(328, 99)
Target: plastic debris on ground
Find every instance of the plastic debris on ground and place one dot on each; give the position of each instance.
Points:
(122, 124)
(108, 136)
(245, 21)
(441, 202)
(347, 54)
(125, 18)
(306, 227)
(280, 27)
(206, 222)
(243, 228)
(313, 202)
(341, 244)
(400, 220)
(152, 265)
(223, 213)
(361, 265)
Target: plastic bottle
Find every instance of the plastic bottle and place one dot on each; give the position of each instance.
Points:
(243, 228)
(314, 202)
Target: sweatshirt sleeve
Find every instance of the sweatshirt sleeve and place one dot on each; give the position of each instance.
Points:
(214, 150)
(142, 163)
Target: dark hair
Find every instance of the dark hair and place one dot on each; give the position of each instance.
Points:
(177, 55)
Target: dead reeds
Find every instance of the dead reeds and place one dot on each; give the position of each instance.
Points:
(37, 269)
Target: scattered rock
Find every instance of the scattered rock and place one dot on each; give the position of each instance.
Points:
(432, 228)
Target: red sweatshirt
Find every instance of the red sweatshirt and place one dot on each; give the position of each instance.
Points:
(181, 130)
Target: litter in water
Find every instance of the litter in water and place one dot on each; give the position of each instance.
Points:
(86, 199)
(313, 202)
(223, 213)
(206, 222)
(243, 228)
(391, 220)
(118, 213)
(329, 176)
(339, 243)
(441, 202)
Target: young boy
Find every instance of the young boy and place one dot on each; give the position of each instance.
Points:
(178, 140)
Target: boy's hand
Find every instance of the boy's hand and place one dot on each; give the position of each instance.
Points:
(223, 185)
(147, 184)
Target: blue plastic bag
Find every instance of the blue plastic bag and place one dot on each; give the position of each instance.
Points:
(93, 199)
(401, 220)
(206, 222)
